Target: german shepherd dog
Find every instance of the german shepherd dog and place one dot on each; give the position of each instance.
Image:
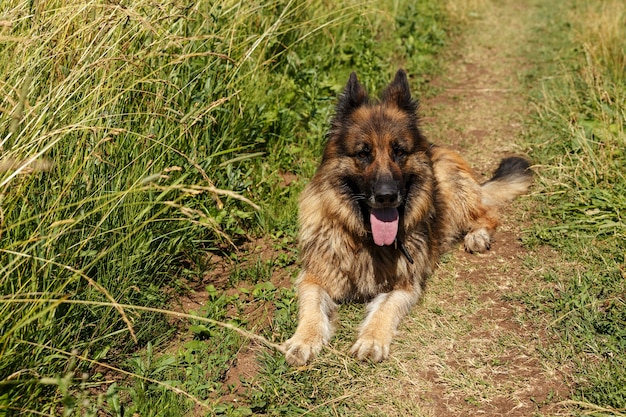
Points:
(381, 208)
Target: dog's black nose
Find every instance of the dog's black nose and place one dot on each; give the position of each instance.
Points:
(386, 192)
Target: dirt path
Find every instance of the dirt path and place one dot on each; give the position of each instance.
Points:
(478, 354)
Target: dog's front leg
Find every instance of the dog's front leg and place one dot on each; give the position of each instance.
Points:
(315, 324)
(384, 313)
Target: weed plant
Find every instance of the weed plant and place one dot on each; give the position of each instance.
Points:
(135, 136)
(579, 142)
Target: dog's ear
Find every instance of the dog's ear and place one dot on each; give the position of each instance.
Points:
(353, 97)
(398, 93)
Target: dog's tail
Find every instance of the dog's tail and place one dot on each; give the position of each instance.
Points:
(512, 178)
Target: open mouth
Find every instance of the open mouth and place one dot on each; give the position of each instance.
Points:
(384, 222)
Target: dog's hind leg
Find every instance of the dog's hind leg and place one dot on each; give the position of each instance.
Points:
(478, 237)
(384, 313)
(315, 325)
(512, 178)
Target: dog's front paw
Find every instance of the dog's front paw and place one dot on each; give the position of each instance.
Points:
(477, 240)
(370, 348)
(299, 351)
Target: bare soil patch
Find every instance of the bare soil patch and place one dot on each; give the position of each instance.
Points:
(244, 366)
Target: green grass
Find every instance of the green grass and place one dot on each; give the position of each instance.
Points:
(134, 138)
(137, 137)
(578, 136)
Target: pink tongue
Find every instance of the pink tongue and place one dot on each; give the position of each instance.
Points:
(384, 225)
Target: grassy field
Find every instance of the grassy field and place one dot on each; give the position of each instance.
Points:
(140, 140)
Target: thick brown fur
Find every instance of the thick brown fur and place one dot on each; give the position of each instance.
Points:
(376, 157)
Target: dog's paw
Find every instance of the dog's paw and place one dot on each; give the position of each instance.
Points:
(478, 240)
(370, 348)
(299, 352)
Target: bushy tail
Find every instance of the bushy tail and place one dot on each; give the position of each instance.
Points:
(512, 178)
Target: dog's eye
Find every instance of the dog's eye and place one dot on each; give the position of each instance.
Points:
(399, 152)
(363, 154)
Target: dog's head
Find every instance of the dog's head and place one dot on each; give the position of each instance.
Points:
(378, 153)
